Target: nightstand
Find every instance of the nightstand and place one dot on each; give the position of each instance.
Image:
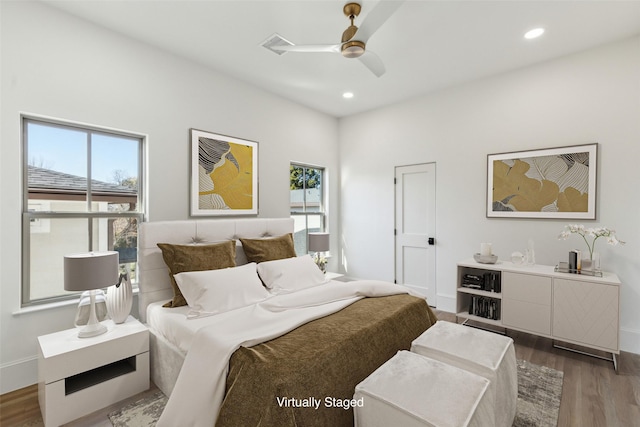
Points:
(333, 276)
(77, 376)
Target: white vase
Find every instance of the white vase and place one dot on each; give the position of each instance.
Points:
(120, 298)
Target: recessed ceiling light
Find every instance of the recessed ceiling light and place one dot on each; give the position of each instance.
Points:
(347, 95)
(532, 34)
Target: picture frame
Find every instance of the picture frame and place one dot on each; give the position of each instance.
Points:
(224, 175)
(557, 183)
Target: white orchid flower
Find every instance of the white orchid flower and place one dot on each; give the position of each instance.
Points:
(594, 233)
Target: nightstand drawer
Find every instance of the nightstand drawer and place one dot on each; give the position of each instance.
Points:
(82, 356)
(58, 406)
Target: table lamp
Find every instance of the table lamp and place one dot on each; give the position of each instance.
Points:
(318, 242)
(88, 272)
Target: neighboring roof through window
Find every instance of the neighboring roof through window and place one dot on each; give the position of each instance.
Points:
(50, 184)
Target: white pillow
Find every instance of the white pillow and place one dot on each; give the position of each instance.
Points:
(290, 274)
(216, 291)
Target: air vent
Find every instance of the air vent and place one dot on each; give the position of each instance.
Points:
(275, 41)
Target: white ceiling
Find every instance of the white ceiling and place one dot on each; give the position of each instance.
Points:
(425, 45)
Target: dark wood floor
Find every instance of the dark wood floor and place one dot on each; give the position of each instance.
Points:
(593, 395)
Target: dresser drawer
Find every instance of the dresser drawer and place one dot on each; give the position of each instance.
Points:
(526, 288)
(526, 316)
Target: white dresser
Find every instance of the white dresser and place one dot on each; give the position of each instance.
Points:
(572, 308)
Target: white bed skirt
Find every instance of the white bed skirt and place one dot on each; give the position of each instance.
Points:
(166, 362)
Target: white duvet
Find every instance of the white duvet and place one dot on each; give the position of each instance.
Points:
(199, 390)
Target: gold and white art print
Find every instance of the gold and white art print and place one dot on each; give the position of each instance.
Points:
(224, 175)
(550, 183)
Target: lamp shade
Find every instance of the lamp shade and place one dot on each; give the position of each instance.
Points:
(91, 270)
(318, 242)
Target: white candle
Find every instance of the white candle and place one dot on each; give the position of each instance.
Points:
(485, 249)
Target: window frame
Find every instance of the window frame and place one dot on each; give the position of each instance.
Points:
(28, 215)
(322, 213)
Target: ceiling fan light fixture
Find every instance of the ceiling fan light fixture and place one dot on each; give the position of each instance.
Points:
(352, 49)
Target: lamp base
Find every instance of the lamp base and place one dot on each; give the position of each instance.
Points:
(93, 327)
(92, 330)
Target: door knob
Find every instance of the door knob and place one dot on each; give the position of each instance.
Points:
(431, 241)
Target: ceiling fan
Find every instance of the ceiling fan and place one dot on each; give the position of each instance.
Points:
(354, 39)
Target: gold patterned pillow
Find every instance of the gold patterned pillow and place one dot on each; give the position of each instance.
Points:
(261, 250)
(180, 258)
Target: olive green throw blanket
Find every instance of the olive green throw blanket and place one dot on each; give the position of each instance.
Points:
(308, 376)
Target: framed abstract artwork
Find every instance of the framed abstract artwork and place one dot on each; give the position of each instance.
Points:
(555, 183)
(224, 175)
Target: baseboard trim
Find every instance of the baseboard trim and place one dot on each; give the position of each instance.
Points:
(630, 340)
(18, 374)
(446, 303)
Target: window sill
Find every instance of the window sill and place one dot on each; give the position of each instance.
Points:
(52, 305)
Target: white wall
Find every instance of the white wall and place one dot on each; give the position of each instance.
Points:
(58, 66)
(589, 97)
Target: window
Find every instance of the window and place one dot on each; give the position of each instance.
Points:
(306, 203)
(82, 192)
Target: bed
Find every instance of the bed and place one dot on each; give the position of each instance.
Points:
(293, 358)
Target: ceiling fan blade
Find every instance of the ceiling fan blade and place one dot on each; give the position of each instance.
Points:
(374, 20)
(373, 63)
(311, 48)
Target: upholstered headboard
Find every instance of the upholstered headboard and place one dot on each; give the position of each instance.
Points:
(153, 275)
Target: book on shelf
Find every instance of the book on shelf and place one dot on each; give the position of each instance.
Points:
(488, 281)
(489, 308)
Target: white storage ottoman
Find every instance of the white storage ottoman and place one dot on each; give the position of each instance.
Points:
(410, 390)
(481, 352)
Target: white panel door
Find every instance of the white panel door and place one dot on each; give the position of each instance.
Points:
(415, 228)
